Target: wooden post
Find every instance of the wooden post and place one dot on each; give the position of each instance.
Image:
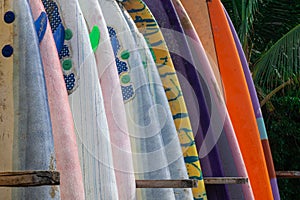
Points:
(39, 178)
(189, 183)
(288, 174)
(29, 178)
(225, 180)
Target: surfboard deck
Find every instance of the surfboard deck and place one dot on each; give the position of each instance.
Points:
(6, 94)
(188, 77)
(257, 111)
(236, 91)
(33, 147)
(66, 150)
(224, 136)
(143, 124)
(168, 131)
(148, 27)
(112, 96)
(198, 13)
(85, 98)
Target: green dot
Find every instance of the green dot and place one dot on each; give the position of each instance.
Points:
(95, 37)
(125, 79)
(68, 34)
(125, 55)
(67, 64)
(145, 64)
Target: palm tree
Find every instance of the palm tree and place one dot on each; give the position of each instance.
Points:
(269, 31)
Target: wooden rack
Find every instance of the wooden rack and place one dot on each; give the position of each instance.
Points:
(288, 174)
(29, 178)
(39, 178)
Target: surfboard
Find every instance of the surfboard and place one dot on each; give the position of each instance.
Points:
(224, 136)
(25, 121)
(112, 96)
(198, 13)
(241, 114)
(66, 150)
(147, 25)
(188, 77)
(6, 90)
(85, 98)
(170, 139)
(257, 111)
(149, 157)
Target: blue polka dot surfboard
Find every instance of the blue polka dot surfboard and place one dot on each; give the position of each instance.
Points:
(66, 150)
(257, 111)
(112, 96)
(144, 123)
(85, 97)
(27, 117)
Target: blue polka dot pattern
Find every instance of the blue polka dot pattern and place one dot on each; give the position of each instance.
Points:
(114, 40)
(64, 52)
(121, 66)
(70, 81)
(128, 89)
(55, 20)
(127, 92)
(53, 14)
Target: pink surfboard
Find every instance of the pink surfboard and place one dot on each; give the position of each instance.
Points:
(66, 150)
(85, 98)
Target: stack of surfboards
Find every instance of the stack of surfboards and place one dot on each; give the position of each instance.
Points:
(109, 91)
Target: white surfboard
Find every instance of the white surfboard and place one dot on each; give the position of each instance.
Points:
(150, 161)
(170, 138)
(113, 100)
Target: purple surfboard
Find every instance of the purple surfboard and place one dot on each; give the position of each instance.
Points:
(232, 161)
(192, 87)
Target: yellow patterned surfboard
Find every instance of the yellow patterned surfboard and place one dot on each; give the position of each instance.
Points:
(147, 25)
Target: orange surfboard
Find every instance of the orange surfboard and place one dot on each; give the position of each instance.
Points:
(239, 103)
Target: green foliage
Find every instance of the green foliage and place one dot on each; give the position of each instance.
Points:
(242, 14)
(280, 63)
(284, 135)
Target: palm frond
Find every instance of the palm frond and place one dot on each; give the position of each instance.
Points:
(242, 13)
(280, 63)
(273, 20)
